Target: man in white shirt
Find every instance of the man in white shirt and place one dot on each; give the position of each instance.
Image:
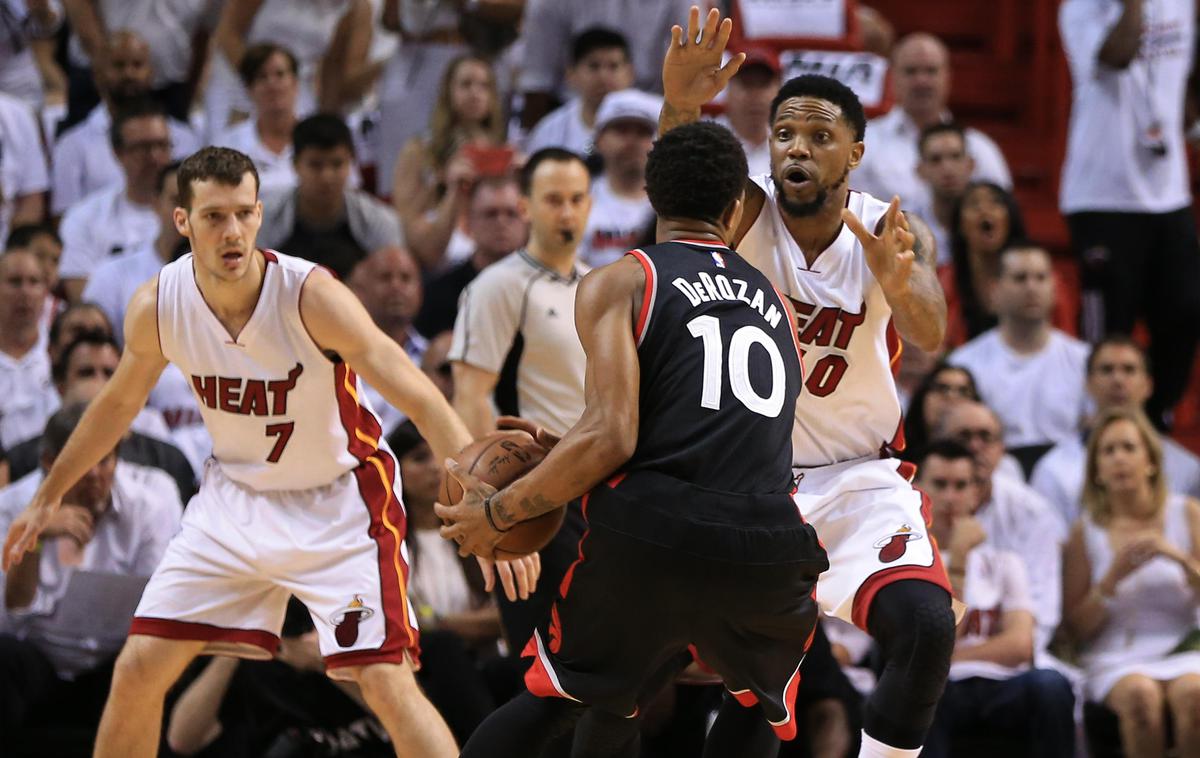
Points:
(83, 161)
(1117, 377)
(748, 106)
(921, 81)
(1014, 516)
(993, 687)
(599, 65)
(24, 175)
(515, 349)
(120, 218)
(117, 520)
(27, 396)
(621, 212)
(1125, 187)
(1028, 371)
(946, 167)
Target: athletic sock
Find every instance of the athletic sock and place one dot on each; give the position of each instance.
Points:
(873, 748)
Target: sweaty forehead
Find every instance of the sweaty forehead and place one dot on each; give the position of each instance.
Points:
(808, 108)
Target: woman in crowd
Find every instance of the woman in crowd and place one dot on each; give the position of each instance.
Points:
(434, 173)
(942, 387)
(1131, 574)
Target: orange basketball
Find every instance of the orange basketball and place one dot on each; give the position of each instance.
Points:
(499, 459)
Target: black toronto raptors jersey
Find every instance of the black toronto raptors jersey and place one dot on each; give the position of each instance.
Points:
(720, 371)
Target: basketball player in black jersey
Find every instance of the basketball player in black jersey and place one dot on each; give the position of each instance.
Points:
(682, 459)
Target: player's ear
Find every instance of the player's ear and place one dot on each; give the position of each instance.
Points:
(733, 214)
(856, 153)
(180, 216)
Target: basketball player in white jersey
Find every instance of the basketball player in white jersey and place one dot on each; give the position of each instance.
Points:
(301, 496)
(861, 274)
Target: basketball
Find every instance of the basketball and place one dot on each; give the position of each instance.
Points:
(499, 459)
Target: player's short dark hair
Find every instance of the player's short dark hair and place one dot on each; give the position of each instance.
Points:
(324, 131)
(695, 171)
(59, 428)
(90, 338)
(133, 108)
(1116, 340)
(825, 88)
(25, 234)
(256, 56)
(56, 326)
(948, 127)
(557, 154)
(951, 450)
(223, 165)
(597, 38)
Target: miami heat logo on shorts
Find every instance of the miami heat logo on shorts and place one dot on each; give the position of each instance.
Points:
(346, 620)
(892, 547)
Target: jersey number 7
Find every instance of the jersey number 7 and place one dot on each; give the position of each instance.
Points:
(284, 433)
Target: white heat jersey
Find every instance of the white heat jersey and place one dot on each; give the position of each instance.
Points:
(282, 415)
(849, 408)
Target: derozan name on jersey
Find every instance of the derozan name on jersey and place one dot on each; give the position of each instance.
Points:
(720, 287)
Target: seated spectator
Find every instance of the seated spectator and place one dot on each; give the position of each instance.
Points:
(322, 219)
(117, 519)
(118, 218)
(388, 282)
(994, 687)
(284, 707)
(72, 321)
(986, 221)
(945, 167)
(1117, 377)
(436, 363)
(270, 75)
(748, 99)
(1030, 372)
(46, 245)
(599, 65)
(496, 223)
(913, 370)
(433, 174)
(625, 129)
(1130, 582)
(942, 387)
(83, 163)
(921, 83)
(24, 174)
(26, 393)
(1015, 517)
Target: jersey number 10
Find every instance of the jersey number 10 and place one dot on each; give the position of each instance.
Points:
(708, 329)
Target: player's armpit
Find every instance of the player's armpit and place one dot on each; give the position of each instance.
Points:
(606, 434)
(338, 322)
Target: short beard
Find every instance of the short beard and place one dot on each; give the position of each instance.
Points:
(797, 209)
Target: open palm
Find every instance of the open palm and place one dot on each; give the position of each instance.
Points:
(692, 70)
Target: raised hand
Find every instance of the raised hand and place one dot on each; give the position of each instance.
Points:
(889, 255)
(543, 437)
(692, 71)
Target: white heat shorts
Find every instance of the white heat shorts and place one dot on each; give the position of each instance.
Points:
(227, 576)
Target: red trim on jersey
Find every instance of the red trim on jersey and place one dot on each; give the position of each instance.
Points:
(895, 349)
(639, 329)
(565, 586)
(794, 330)
(367, 657)
(389, 523)
(787, 730)
(935, 574)
(361, 427)
(270, 256)
(705, 243)
(174, 629)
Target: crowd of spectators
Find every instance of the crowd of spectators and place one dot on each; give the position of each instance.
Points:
(392, 140)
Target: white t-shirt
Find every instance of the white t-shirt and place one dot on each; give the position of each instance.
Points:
(84, 161)
(437, 574)
(23, 169)
(758, 157)
(562, 127)
(167, 26)
(995, 583)
(1058, 475)
(1040, 398)
(1018, 519)
(27, 395)
(1107, 167)
(103, 225)
(517, 319)
(889, 164)
(615, 225)
(274, 169)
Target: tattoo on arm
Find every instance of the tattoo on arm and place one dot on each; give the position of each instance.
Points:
(508, 514)
(924, 246)
(671, 117)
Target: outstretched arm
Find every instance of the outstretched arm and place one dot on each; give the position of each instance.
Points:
(692, 70)
(599, 443)
(103, 424)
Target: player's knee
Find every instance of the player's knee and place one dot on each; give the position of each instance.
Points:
(913, 621)
(141, 666)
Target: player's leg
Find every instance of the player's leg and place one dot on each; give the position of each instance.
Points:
(416, 728)
(146, 668)
(523, 727)
(740, 732)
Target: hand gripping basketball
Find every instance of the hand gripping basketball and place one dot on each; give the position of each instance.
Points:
(466, 522)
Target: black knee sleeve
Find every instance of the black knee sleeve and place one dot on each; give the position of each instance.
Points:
(913, 622)
(522, 727)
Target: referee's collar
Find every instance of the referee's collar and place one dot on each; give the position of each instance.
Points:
(574, 277)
